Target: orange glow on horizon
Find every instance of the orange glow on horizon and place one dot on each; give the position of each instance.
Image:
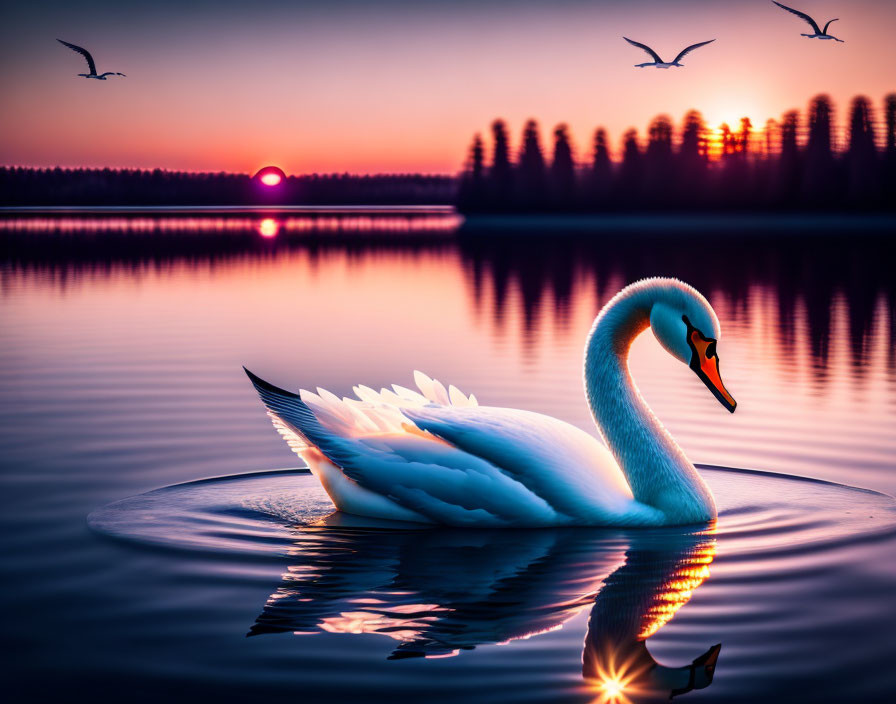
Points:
(371, 104)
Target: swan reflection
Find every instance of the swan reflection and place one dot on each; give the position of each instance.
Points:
(438, 592)
(658, 577)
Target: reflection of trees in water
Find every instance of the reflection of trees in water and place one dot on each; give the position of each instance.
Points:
(804, 276)
(64, 259)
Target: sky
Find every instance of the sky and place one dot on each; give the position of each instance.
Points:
(396, 86)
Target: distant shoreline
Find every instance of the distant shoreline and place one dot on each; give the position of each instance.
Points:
(270, 210)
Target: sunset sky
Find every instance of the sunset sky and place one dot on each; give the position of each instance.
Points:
(397, 85)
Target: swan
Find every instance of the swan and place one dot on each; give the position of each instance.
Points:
(439, 457)
(818, 33)
(658, 62)
(90, 63)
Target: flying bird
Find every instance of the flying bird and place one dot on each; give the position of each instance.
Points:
(657, 61)
(90, 64)
(819, 33)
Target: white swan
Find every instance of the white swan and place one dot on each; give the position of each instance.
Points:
(439, 457)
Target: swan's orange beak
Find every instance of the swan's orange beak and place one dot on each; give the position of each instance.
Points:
(705, 362)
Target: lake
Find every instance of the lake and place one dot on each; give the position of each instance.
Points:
(121, 384)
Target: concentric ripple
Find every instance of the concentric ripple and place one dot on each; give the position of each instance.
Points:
(262, 512)
(420, 592)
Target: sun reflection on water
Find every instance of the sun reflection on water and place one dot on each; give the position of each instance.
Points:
(616, 664)
(345, 220)
(268, 227)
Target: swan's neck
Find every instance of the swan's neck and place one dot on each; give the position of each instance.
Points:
(657, 470)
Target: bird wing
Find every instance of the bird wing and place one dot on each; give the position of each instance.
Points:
(800, 14)
(687, 50)
(656, 57)
(83, 52)
(825, 30)
(384, 454)
(443, 457)
(569, 468)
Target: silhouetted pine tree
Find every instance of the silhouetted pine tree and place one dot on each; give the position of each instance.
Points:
(658, 176)
(744, 135)
(478, 158)
(628, 184)
(729, 144)
(787, 188)
(501, 174)
(769, 148)
(138, 188)
(764, 169)
(736, 183)
(601, 170)
(861, 156)
(819, 178)
(692, 135)
(690, 183)
(472, 191)
(532, 192)
(563, 177)
(889, 160)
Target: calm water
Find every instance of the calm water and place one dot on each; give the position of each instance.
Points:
(120, 374)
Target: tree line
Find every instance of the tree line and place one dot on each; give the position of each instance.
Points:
(791, 164)
(23, 186)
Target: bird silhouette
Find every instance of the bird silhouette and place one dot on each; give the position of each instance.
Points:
(819, 33)
(658, 62)
(90, 63)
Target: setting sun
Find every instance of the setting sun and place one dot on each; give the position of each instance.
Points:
(270, 176)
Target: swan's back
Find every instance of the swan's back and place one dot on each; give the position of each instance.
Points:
(437, 456)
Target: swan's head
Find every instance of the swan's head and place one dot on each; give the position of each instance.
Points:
(686, 325)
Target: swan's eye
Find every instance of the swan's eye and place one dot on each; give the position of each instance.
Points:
(705, 362)
(702, 347)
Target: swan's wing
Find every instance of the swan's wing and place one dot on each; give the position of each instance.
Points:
(411, 468)
(445, 483)
(460, 463)
(799, 14)
(687, 50)
(656, 57)
(83, 52)
(570, 469)
(825, 31)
